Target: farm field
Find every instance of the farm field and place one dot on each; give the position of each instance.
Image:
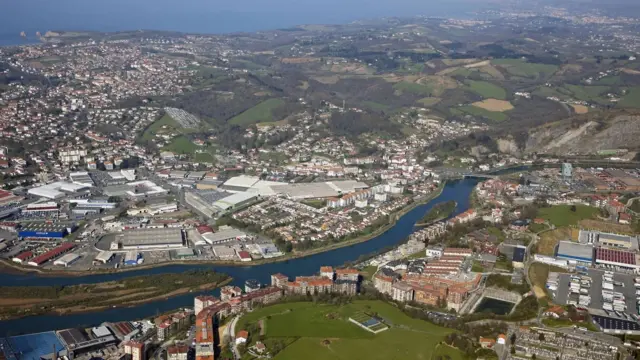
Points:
(494, 105)
(324, 332)
(414, 88)
(487, 89)
(521, 68)
(561, 215)
(257, 114)
(580, 109)
(476, 111)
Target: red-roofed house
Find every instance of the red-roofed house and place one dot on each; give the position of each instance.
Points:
(244, 255)
(242, 337)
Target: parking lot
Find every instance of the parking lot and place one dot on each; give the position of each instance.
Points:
(562, 295)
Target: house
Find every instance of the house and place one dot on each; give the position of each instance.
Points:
(326, 271)
(624, 218)
(555, 312)
(486, 343)
(502, 339)
(260, 347)
(242, 337)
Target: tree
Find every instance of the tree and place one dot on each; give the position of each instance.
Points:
(513, 338)
(513, 350)
(533, 357)
(541, 337)
(573, 208)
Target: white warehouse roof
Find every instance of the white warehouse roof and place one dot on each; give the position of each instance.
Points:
(66, 259)
(233, 200)
(244, 181)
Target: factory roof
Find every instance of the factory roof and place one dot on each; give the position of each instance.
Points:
(223, 235)
(234, 199)
(42, 227)
(67, 258)
(244, 181)
(34, 346)
(104, 256)
(71, 337)
(347, 186)
(616, 256)
(151, 236)
(575, 250)
(55, 189)
(616, 237)
(306, 190)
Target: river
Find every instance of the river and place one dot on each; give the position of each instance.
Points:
(458, 191)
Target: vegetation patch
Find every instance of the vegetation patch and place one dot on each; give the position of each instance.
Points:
(259, 113)
(429, 101)
(548, 241)
(631, 99)
(494, 105)
(181, 145)
(565, 215)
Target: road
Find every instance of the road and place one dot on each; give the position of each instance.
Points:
(230, 332)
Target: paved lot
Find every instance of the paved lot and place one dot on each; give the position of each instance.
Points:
(629, 290)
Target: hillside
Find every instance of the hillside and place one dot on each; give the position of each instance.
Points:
(583, 135)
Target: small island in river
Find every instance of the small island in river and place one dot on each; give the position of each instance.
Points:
(20, 301)
(439, 211)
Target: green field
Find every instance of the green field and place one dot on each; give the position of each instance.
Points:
(476, 111)
(181, 145)
(376, 106)
(486, 89)
(524, 69)
(324, 332)
(156, 127)
(632, 99)
(429, 101)
(203, 157)
(589, 93)
(259, 113)
(561, 215)
(413, 88)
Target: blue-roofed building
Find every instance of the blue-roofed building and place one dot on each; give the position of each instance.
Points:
(32, 346)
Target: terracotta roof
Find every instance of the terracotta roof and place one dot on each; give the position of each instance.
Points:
(242, 334)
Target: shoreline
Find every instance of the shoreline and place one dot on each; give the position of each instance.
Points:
(8, 266)
(88, 309)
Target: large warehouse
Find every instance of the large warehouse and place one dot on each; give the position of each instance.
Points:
(45, 231)
(581, 253)
(235, 201)
(139, 239)
(617, 259)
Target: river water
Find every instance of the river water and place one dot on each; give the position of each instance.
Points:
(458, 191)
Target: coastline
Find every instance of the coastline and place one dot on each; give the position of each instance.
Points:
(8, 267)
(89, 309)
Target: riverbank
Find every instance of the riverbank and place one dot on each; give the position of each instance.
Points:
(18, 301)
(7, 266)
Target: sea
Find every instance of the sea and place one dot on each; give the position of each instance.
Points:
(200, 16)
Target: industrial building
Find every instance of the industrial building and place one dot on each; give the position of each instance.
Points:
(571, 251)
(141, 239)
(222, 236)
(81, 178)
(66, 260)
(32, 346)
(136, 189)
(78, 342)
(235, 201)
(41, 259)
(104, 257)
(240, 183)
(622, 242)
(45, 231)
(56, 190)
(617, 259)
(133, 258)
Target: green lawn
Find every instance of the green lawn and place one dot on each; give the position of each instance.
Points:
(376, 106)
(561, 215)
(487, 89)
(312, 324)
(203, 157)
(259, 113)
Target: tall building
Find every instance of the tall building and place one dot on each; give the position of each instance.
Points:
(135, 349)
(204, 338)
